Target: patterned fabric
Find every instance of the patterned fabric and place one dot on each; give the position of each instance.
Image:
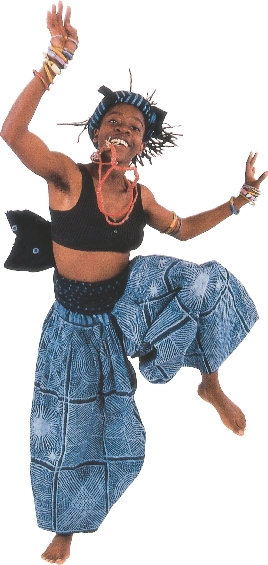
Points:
(176, 313)
(87, 439)
(89, 298)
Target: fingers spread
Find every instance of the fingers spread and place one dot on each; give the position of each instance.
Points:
(254, 158)
(67, 16)
(57, 26)
(251, 159)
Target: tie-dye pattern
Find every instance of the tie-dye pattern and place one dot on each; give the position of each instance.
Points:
(87, 439)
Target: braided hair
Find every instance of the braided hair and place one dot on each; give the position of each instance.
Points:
(158, 135)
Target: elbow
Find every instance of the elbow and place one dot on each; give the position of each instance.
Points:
(183, 237)
(3, 134)
(11, 133)
(7, 135)
(12, 137)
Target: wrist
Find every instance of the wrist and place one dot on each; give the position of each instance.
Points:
(239, 202)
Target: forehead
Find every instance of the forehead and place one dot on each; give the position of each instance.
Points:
(127, 111)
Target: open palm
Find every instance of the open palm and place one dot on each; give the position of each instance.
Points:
(250, 172)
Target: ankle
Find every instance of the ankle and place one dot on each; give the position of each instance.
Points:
(210, 379)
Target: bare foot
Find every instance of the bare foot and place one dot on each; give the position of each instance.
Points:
(58, 550)
(231, 416)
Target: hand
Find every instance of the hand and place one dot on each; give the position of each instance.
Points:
(250, 172)
(58, 27)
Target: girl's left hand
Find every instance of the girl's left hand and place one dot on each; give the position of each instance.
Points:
(250, 172)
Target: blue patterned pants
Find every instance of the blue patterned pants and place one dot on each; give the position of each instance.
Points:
(87, 439)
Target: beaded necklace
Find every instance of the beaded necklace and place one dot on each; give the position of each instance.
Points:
(131, 185)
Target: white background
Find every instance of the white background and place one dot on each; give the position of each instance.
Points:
(202, 494)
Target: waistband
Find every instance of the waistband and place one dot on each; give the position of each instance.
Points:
(78, 319)
(89, 298)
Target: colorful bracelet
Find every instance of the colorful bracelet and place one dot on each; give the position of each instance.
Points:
(249, 197)
(52, 65)
(55, 60)
(67, 54)
(175, 233)
(48, 73)
(59, 53)
(52, 55)
(232, 206)
(251, 190)
(174, 226)
(37, 74)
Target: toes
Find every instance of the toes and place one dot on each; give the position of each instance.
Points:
(240, 426)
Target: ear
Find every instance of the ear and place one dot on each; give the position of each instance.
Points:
(143, 145)
(96, 135)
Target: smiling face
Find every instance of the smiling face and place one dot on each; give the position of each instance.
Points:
(123, 125)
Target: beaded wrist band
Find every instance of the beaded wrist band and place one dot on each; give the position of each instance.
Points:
(232, 206)
(250, 193)
(251, 189)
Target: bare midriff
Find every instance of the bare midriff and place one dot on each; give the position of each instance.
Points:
(89, 266)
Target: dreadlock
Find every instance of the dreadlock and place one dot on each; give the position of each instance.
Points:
(158, 135)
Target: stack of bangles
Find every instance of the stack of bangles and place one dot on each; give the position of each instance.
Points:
(55, 60)
(175, 226)
(250, 193)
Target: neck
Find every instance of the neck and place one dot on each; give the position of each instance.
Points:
(112, 170)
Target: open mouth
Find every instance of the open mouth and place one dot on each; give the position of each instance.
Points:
(117, 141)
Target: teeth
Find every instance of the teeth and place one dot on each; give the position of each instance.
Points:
(118, 142)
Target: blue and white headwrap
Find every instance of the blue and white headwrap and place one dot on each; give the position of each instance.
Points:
(157, 136)
(154, 117)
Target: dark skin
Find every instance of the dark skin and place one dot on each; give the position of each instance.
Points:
(64, 182)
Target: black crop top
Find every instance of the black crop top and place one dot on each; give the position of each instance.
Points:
(84, 227)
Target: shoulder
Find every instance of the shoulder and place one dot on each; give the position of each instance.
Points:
(147, 197)
(157, 216)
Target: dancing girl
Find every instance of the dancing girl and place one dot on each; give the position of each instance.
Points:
(87, 438)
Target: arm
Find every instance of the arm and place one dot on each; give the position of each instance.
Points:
(31, 150)
(160, 218)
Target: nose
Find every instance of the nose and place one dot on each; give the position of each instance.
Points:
(122, 127)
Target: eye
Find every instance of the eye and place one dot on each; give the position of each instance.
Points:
(113, 121)
(135, 128)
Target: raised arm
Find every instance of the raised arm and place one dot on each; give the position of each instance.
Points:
(31, 150)
(160, 218)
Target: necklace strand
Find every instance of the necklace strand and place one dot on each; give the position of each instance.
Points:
(131, 185)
